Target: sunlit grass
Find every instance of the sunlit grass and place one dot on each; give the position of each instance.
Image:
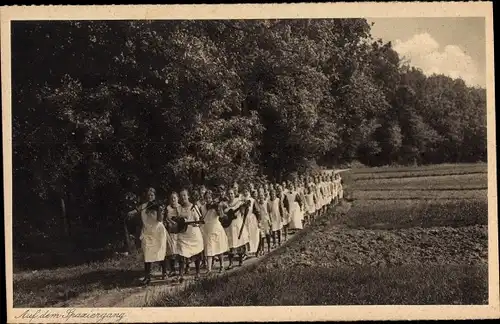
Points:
(365, 285)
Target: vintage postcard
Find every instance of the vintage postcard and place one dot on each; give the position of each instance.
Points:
(251, 162)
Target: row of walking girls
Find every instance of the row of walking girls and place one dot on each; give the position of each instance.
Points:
(228, 221)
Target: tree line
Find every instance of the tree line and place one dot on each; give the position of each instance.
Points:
(102, 108)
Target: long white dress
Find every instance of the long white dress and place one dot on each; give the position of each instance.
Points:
(189, 243)
(310, 207)
(274, 214)
(264, 222)
(233, 230)
(252, 226)
(341, 190)
(172, 211)
(333, 189)
(215, 238)
(328, 193)
(325, 194)
(301, 195)
(318, 196)
(295, 212)
(153, 236)
(285, 219)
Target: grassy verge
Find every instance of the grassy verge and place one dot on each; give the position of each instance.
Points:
(403, 285)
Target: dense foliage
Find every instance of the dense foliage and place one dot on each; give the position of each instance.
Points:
(107, 107)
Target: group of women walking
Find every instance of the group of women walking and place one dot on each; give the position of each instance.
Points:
(228, 221)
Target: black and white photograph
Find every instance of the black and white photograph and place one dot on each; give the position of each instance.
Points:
(155, 161)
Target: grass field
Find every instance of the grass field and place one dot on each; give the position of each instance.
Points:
(411, 236)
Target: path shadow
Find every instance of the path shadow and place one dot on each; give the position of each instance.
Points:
(52, 291)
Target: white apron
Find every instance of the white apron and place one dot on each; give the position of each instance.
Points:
(172, 248)
(295, 212)
(252, 226)
(190, 242)
(153, 236)
(215, 238)
(275, 216)
(318, 197)
(264, 222)
(341, 190)
(285, 219)
(334, 190)
(310, 207)
(233, 230)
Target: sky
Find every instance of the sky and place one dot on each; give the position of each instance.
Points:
(452, 46)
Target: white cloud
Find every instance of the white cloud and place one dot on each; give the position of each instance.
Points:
(424, 52)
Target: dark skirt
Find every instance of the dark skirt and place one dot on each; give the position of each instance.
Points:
(238, 250)
(196, 257)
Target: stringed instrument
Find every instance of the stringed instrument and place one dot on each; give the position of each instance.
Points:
(178, 224)
(230, 215)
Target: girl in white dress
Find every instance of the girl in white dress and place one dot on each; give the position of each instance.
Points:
(172, 210)
(200, 201)
(340, 189)
(285, 217)
(318, 197)
(302, 197)
(310, 206)
(331, 186)
(266, 190)
(189, 243)
(251, 224)
(327, 191)
(261, 209)
(332, 189)
(275, 212)
(236, 189)
(237, 243)
(153, 235)
(323, 194)
(294, 208)
(215, 243)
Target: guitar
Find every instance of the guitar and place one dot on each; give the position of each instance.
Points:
(179, 224)
(230, 215)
